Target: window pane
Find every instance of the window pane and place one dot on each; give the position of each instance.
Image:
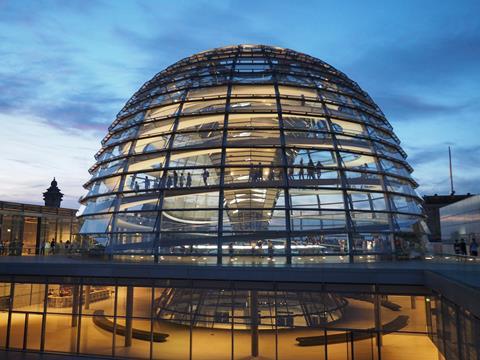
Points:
(199, 200)
(254, 176)
(151, 144)
(189, 220)
(305, 122)
(135, 222)
(253, 104)
(206, 158)
(240, 220)
(317, 199)
(302, 220)
(253, 90)
(163, 111)
(104, 186)
(198, 139)
(95, 224)
(206, 122)
(245, 156)
(156, 128)
(208, 92)
(256, 137)
(203, 106)
(252, 121)
(405, 204)
(367, 201)
(191, 178)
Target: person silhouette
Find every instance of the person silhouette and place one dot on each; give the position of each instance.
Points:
(301, 174)
(463, 247)
(189, 180)
(456, 247)
(260, 172)
(271, 175)
(169, 182)
(318, 168)
(291, 173)
(473, 248)
(301, 171)
(205, 176)
(311, 170)
(175, 178)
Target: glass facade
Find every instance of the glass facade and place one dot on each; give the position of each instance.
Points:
(25, 228)
(125, 318)
(252, 154)
(461, 220)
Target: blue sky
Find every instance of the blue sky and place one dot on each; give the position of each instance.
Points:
(67, 68)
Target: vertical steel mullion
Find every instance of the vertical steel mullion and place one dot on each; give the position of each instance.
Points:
(459, 332)
(25, 332)
(10, 309)
(79, 324)
(115, 305)
(275, 319)
(44, 318)
(341, 170)
(232, 329)
(161, 190)
(190, 307)
(222, 161)
(286, 185)
(443, 312)
(383, 182)
(152, 318)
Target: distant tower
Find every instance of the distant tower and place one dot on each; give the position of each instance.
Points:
(53, 196)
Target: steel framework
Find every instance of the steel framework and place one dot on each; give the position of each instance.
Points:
(252, 151)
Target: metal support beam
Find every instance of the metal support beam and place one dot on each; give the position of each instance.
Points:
(25, 332)
(377, 309)
(87, 297)
(75, 305)
(254, 322)
(128, 319)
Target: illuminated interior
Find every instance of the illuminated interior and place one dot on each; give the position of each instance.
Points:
(252, 153)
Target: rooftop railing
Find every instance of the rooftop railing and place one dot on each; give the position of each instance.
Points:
(261, 256)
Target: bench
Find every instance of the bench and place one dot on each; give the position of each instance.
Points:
(396, 324)
(102, 322)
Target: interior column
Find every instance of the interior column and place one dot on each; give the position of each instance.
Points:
(254, 322)
(129, 314)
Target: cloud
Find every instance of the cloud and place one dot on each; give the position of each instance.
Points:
(440, 60)
(86, 111)
(169, 36)
(408, 106)
(39, 154)
(431, 166)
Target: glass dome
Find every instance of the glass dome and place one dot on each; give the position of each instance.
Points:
(248, 154)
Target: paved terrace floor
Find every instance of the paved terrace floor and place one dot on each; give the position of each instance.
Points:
(409, 272)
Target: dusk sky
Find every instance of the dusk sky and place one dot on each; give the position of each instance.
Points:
(67, 68)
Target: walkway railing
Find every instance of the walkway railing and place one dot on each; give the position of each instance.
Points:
(261, 257)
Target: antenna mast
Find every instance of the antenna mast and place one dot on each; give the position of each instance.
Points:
(452, 192)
